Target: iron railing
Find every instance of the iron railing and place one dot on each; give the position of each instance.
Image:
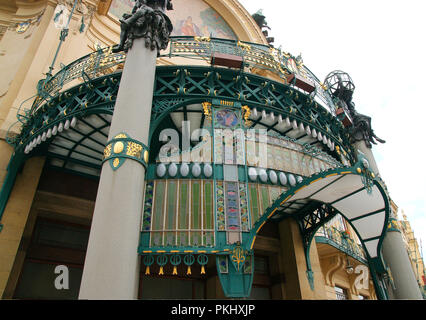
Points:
(341, 241)
(104, 61)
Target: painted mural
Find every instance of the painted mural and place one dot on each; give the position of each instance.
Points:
(189, 18)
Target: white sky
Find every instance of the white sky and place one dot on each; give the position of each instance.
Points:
(381, 44)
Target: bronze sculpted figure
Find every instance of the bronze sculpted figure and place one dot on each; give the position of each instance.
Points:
(147, 21)
(361, 128)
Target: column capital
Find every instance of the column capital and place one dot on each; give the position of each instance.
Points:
(393, 225)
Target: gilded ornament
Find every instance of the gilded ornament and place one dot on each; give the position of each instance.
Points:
(116, 162)
(120, 135)
(107, 151)
(207, 110)
(145, 156)
(238, 256)
(134, 150)
(118, 147)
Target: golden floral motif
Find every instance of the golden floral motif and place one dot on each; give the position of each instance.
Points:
(207, 110)
(116, 162)
(246, 115)
(120, 135)
(134, 149)
(238, 256)
(107, 151)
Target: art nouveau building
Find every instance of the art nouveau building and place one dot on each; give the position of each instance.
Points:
(237, 174)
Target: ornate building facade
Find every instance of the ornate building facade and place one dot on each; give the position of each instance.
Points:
(192, 160)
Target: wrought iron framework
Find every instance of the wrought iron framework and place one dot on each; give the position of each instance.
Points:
(175, 87)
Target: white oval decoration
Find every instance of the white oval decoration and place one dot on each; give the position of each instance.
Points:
(208, 170)
(273, 177)
(184, 169)
(252, 174)
(196, 170)
(291, 180)
(263, 175)
(161, 170)
(173, 169)
(283, 178)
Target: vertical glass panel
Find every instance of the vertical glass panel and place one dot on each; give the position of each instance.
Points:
(147, 211)
(311, 166)
(208, 205)
(322, 166)
(254, 203)
(196, 213)
(229, 146)
(295, 162)
(316, 165)
(270, 157)
(264, 196)
(305, 164)
(232, 206)
(251, 150)
(287, 160)
(218, 146)
(244, 208)
(183, 221)
(170, 223)
(220, 206)
(278, 158)
(239, 146)
(158, 210)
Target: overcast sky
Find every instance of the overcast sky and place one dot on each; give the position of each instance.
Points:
(381, 44)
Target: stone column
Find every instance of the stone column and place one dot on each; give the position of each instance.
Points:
(111, 269)
(368, 153)
(396, 257)
(394, 252)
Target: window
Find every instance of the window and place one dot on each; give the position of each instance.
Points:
(182, 213)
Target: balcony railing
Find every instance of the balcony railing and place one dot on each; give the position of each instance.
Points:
(341, 241)
(104, 61)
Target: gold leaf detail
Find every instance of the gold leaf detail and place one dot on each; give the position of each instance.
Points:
(134, 149)
(107, 151)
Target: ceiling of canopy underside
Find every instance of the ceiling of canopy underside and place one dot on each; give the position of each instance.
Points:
(365, 210)
(80, 148)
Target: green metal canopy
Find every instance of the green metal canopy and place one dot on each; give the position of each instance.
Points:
(71, 128)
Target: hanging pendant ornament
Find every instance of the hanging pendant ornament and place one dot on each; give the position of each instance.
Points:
(148, 261)
(189, 261)
(202, 260)
(175, 260)
(161, 261)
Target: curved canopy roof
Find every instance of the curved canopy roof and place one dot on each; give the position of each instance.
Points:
(353, 192)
